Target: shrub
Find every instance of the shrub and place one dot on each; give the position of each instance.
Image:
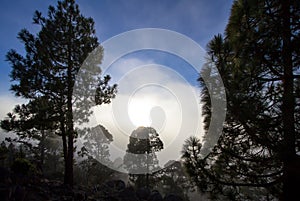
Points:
(22, 166)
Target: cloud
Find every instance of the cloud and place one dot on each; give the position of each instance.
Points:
(150, 94)
(8, 102)
(186, 51)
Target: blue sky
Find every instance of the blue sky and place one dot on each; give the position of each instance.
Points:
(197, 19)
(176, 99)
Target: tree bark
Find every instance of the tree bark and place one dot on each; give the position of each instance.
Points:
(70, 131)
(42, 150)
(69, 122)
(65, 148)
(290, 181)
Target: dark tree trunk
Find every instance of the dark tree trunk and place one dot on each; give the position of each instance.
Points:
(69, 162)
(69, 122)
(68, 141)
(290, 183)
(65, 150)
(42, 149)
(70, 134)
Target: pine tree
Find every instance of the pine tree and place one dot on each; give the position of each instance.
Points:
(258, 59)
(96, 143)
(53, 58)
(32, 123)
(140, 155)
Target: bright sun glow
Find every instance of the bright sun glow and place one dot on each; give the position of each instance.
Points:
(139, 112)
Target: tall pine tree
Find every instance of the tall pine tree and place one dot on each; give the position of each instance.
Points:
(140, 155)
(53, 58)
(258, 60)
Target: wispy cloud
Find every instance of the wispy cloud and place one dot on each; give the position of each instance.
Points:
(8, 103)
(150, 95)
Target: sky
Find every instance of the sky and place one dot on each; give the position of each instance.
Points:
(171, 95)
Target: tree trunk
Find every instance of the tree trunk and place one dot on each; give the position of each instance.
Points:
(65, 148)
(42, 150)
(69, 120)
(70, 133)
(70, 123)
(290, 183)
(69, 161)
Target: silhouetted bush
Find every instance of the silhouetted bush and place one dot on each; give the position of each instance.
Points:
(23, 166)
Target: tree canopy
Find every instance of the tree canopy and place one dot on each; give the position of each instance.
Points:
(48, 72)
(258, 59)
(140, 159)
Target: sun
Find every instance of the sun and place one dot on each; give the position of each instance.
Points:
(139, 112)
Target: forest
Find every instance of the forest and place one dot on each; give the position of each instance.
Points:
(48, 154)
